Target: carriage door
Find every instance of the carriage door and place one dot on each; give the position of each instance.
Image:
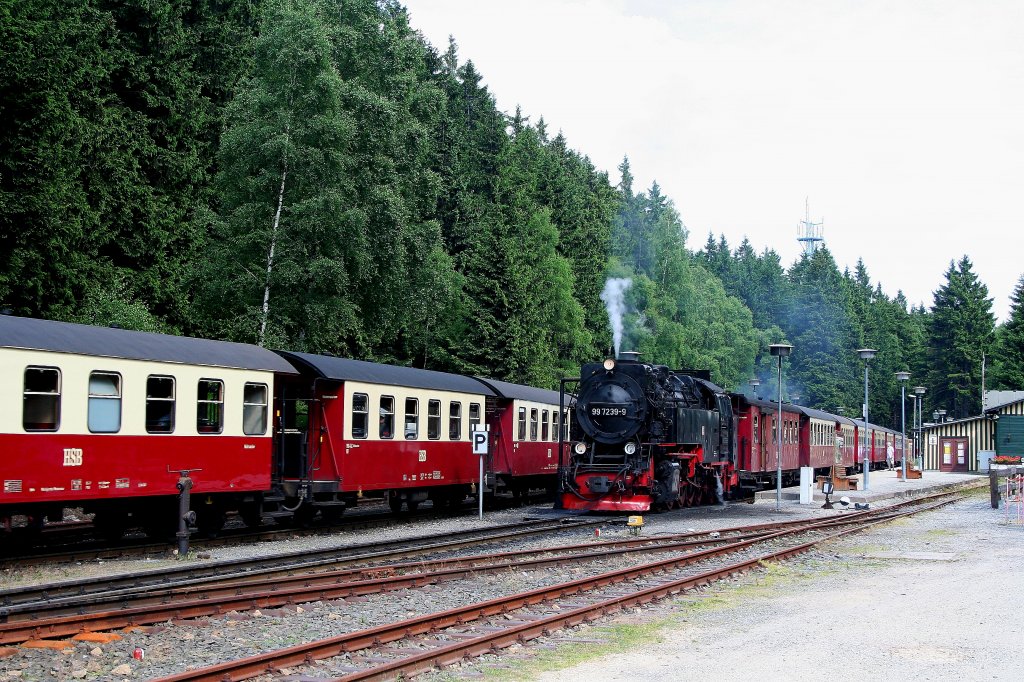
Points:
(953, 454)
(760, 445)
(291, 427)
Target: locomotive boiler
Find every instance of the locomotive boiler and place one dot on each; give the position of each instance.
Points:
(647, 437)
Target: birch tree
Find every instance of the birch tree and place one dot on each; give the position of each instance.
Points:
(287, 240)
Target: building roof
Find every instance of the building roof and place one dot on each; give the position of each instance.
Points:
(504, 389)
(81, 339)
(345, 369)
(1000, 406)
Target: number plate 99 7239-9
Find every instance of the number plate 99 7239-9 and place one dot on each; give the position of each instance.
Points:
(608, 411)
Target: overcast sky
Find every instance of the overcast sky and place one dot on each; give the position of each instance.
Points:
(901, 120)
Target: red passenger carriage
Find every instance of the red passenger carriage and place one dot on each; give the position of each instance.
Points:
(757, 435)
(107, 419)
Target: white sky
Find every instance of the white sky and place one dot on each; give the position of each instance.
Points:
(902, 120)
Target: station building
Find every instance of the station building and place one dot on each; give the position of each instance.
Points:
(964, 445)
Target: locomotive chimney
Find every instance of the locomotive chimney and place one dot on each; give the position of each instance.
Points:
(630, 355)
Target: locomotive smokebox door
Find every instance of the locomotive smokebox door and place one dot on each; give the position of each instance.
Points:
(612, 410)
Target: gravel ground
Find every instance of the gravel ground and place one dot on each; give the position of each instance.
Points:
(933, 597)
(833, 598)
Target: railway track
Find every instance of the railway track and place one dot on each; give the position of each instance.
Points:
(80, 593)
(74, 541)
(118, 608)
(419, 644)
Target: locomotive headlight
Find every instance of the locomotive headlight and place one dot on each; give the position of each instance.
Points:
(630, 448)
(580, 448)
(609, 364)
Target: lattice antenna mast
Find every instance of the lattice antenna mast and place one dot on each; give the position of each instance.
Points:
(809, 233)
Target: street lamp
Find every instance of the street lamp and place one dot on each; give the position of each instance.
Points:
(754, 383)
(866, 354)
(779, 350)
(920, 390)
(903, 377)
(942, 416)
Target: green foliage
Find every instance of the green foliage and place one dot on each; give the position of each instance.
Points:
(961, 327)
(1009, 366)
(286, 228)
(153, 154)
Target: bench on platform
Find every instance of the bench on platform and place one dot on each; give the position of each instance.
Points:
(840, 481)
(912, 473)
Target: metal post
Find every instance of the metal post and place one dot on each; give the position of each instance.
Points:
(480, 490)
(866, 354)
(903, 427)
(920, 391)
(779, 350)
(778, 447)
(867, 456)
(902, 377)
(186, 517)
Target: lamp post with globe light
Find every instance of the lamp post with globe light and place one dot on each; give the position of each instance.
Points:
(779, 350)
(903, 377)
(866, 354)
(920, 391)
(754, 383)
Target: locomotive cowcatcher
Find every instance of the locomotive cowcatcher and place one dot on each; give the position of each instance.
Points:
(647, 437)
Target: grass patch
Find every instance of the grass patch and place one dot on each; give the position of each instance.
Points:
(867, 549)
(940, 533)
(620, 638)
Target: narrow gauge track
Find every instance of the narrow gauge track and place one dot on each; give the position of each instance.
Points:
(447, 637)
(81, 592)
(260, 592)
(75, 541)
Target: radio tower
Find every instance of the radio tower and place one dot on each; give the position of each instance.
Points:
(810, 233)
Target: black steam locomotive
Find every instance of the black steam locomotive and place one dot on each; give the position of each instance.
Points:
(645, 436)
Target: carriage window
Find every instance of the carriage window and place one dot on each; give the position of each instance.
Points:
(254, 409)
(104, 402)
(41, 406)
(387, 417)
(554, 425)
(360, 415)
(533, 424)
(474, 415)
(210, 412)
(412, 418)
(565, 425)
(159, 404)
(521, 435)
(755, 429)
(433, 419)
(455, 421)
(544, 425)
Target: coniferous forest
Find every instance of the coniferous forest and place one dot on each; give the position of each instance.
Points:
(314, 175)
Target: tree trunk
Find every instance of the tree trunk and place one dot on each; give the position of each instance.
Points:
(270, 254)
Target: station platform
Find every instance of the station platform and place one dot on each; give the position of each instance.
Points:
(883, 485)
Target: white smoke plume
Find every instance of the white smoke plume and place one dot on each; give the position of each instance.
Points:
(614, 297)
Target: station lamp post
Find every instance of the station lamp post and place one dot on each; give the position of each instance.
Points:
(866, 354)
(920, 391)
(754, 383)
(779, 350)
(913, 424)
(942, 416)
(903, 377)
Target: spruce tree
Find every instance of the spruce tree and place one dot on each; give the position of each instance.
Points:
(1010, 348)
(961, 329)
